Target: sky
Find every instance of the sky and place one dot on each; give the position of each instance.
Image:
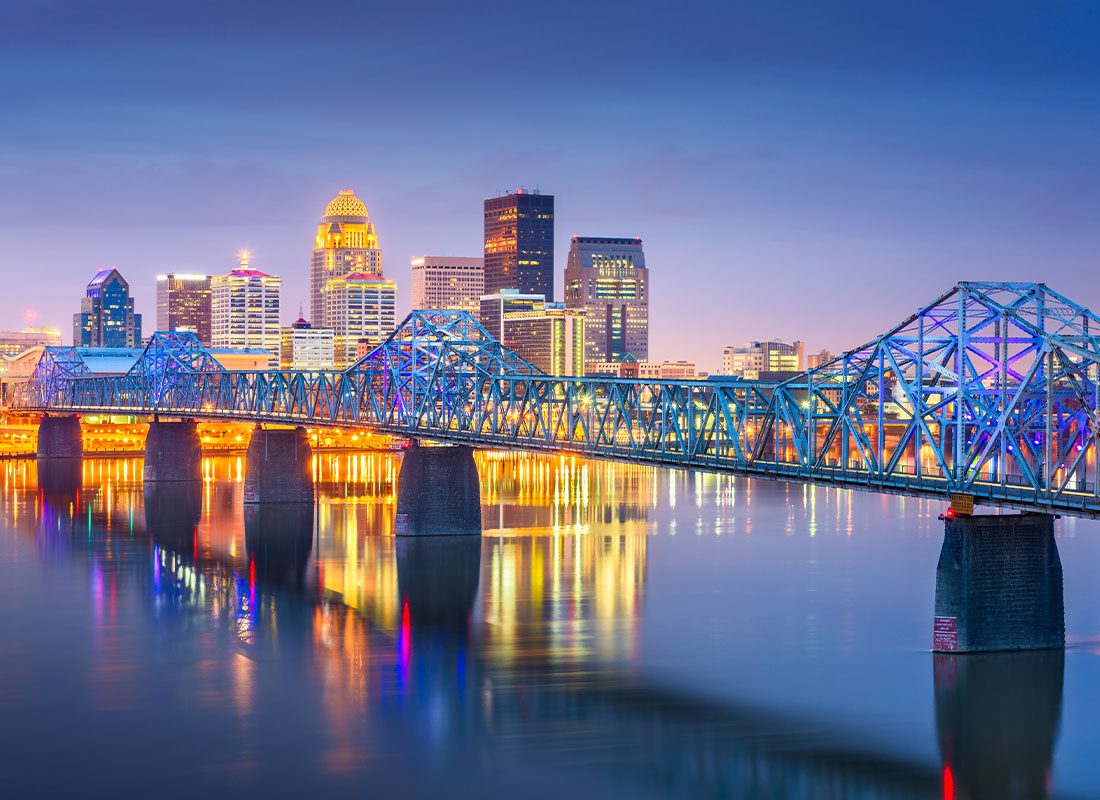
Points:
(796, 170)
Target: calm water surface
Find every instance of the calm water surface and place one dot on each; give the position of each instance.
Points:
(618, 631)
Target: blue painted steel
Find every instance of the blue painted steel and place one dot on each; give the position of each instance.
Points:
(991, 390)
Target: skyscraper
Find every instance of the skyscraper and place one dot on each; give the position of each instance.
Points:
(106, 317)
(493, 308)
(244, 310)
(447, 282)
(608, 278)
(183, 304)
(345, 243)
(360, 306)
(519, 243)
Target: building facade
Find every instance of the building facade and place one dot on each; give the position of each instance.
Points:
(361, 306)
(244, 310)
(106, 317)
(447, 282)
(607, 279)
(662, 370)
(519, 243)
(550, 337)
(757, 357)
(183, 304)
(303, 347)
(818, 359)
(345, 243)
(494, 307)
(12, 343)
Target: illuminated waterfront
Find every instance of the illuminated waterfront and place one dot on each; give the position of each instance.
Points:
(617, 631)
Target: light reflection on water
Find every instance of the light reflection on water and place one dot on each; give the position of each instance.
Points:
(617, 631)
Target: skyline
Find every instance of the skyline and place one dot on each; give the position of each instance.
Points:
(808, 155)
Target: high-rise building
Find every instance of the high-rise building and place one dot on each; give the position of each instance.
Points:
(818, 359)
(757, 357)
(519, 243)
(493, 307)
(345, 243)
(550, 337)
(106, 317)
(361, 305)
(183, 304)
(244, 310)
(12, 343)
(607, 278)
(306, 348)
(447, 282)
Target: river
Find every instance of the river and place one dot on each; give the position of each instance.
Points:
(617, 631)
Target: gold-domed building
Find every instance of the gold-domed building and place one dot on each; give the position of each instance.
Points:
(346, 243)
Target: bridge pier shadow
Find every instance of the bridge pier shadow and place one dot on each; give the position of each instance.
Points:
(279, 540)
(172, 512)
(997, 720)
(437, 578)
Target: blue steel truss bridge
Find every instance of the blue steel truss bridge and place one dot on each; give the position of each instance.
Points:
(989, 391)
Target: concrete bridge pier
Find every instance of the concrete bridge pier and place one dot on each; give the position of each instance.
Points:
(279, 467)
(59, 437)
(438, 492)
(999, 585)
(172, 452)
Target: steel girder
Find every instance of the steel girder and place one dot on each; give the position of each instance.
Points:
(991, 390)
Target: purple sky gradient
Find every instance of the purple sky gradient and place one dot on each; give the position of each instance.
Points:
(796, 169)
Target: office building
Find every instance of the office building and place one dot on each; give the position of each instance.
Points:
(303, 347)
(447, 282)
(12, 343)
(361, 305)
(345, 243)
(607, 278)
(244, 310)
(493, 307)
(519, 243)
(755, 358)
(551, 337)
(183, 304)
(106, 317)
(818, 359)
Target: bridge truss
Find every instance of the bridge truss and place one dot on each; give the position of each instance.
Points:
(991, 390)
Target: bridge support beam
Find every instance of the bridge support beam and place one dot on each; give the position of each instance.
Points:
(999, 585)
(438, 492)
(59, 437)
(279, 467)
(173, 452)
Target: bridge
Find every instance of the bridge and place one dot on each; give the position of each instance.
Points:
(990, 391)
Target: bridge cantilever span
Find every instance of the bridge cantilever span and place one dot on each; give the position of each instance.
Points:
(990, 391)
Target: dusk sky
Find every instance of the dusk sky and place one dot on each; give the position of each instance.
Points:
(801, 170)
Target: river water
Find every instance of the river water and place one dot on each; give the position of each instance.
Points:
(617, 631)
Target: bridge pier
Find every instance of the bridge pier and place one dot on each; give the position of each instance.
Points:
(59, 437)
(999, 585)
(438, 492)
(279, 467)
(172, 452)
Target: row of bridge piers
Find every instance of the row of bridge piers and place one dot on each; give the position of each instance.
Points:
(439, 491)
(998, 579)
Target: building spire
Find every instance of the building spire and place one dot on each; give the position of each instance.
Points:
(244, 255)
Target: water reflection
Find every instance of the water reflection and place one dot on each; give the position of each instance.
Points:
(997, 717)
(519, 645)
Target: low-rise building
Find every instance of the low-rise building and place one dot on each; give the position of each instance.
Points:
(753, 358)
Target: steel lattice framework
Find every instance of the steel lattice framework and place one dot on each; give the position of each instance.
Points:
(991, 390)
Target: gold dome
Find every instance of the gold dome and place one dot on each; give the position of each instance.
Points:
(346, 204)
